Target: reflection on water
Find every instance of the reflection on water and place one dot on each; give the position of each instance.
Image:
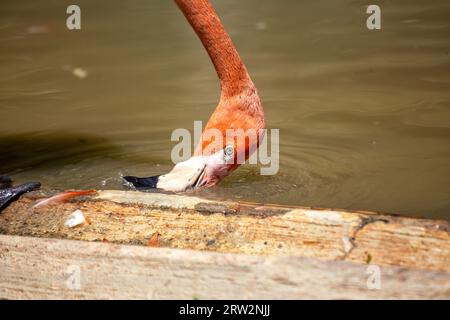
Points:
(364, 116)
(58, 156)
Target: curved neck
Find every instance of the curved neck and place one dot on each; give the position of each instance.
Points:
(229, 66)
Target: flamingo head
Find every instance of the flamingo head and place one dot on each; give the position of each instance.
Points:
(196, 172)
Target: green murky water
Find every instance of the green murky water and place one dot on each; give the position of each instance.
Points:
(364, 116)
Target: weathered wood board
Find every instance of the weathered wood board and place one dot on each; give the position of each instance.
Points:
(40, 268)
(174, 221)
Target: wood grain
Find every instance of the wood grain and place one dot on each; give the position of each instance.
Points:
(128, 217)
(36, 268)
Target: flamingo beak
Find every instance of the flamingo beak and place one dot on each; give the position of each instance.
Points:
(184, 176)
(196, 172)
(200, 182)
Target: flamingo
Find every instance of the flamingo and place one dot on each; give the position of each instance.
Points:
(239, 109)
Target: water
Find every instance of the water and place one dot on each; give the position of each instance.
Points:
(364, 116)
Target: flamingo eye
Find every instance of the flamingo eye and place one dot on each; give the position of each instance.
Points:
(228, 152)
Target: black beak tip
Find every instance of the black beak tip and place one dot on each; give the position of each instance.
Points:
(142, 183)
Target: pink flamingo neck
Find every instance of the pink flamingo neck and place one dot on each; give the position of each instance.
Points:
(230, 69)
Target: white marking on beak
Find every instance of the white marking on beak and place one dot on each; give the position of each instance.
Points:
(184, 175)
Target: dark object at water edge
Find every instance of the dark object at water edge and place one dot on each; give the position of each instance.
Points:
(8, 193)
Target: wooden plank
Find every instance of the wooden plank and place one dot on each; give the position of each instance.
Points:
(37, 268)
(129, 217)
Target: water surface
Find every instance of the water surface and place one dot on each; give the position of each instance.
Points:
(364, 116)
